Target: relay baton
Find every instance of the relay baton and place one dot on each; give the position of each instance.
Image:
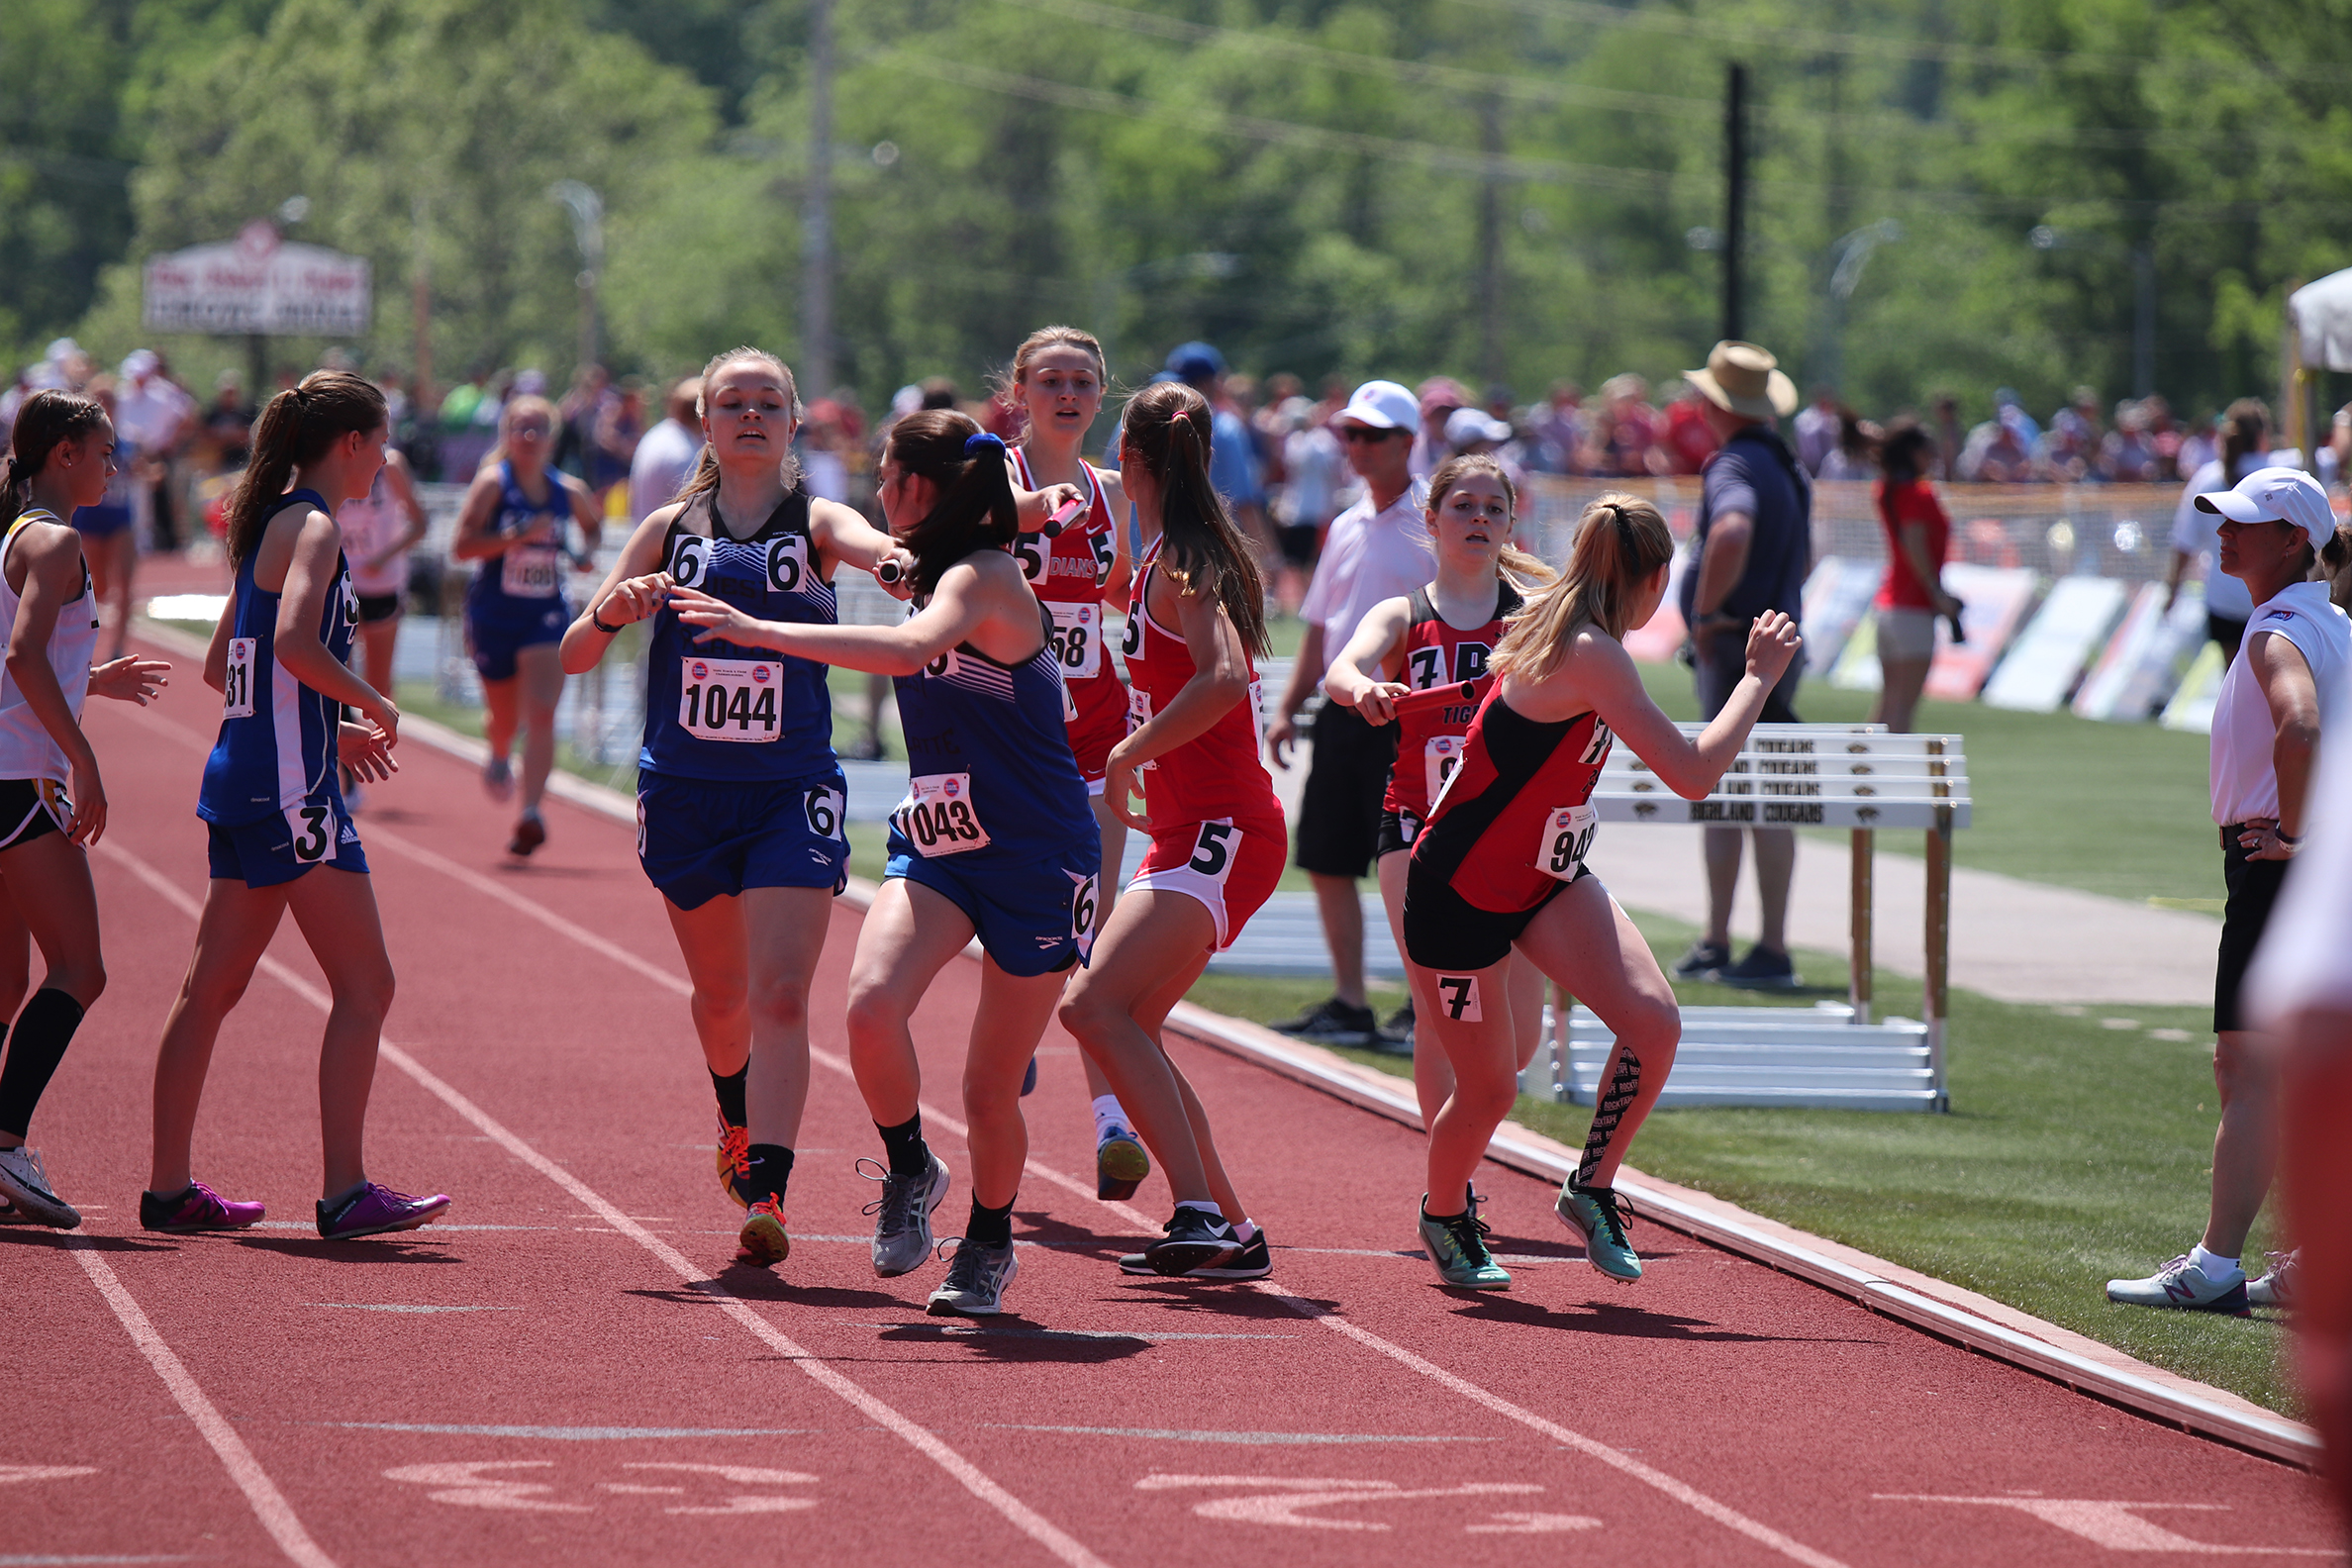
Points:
(1469, 691)
(1062, 518)
(888, 574)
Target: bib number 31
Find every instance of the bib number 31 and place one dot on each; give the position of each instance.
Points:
(237, 690)
(939, 814)
(1567, 840)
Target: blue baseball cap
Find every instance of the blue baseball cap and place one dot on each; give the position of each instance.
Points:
(1195, 362)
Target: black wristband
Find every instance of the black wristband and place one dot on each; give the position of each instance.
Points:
(2291, 840)
(601, 627)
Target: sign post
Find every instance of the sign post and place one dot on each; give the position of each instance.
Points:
(257, 286)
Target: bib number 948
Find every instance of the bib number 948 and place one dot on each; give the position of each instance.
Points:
(1567, 838)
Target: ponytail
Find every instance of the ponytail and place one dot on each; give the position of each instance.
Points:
(2245, 429)
(46, 421)
(297, 428)
(1201, 548)
(974, 510)
(705, 477)
(1621, 543)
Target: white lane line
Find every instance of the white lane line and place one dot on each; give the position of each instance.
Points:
(1617, 1459)
(269, 1503)
(1018, 1513)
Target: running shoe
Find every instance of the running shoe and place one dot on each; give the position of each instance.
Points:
(1194, 1239)
(530, 831)
(1028, 1078)
(976, 1280)
(1457, 1247)
(1332, 1023)
(10, 1213)
(374, 1210)
(197, 1209)
(498, 779)
(1702, 961)
(763, 1240)
(1760, 971)
(1395, 1038)
(2278, 1283)
(1253, 1261)
(1121, 1164)
(2183, 1286)
(27, 1188)
(902, 1228)
(733, 1160)
(1597, 1215)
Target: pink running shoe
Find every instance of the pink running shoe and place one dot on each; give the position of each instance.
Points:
(374, 1210)
(197, 1209)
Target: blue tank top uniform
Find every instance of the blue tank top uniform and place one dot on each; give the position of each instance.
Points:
(271, 795)
(737, 782)
(516, 600)
(996, 818)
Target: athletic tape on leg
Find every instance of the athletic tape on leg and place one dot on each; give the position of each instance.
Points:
(1624, 1085)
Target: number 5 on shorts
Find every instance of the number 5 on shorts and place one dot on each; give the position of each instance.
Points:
(313, 828)
(1213, 851)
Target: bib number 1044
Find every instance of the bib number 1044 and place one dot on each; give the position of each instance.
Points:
(733, 700)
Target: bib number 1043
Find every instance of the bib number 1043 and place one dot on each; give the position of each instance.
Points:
(1567, 838)
(731, 700)
(940, 816)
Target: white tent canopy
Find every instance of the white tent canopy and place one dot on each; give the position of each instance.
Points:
(2323, 316)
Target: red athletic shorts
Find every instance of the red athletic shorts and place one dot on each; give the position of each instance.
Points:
(1100, 724)
(1230, 866)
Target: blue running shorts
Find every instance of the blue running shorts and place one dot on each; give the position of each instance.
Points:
(277, 849)
(495, 640)
(700, 839)
(1032, 920)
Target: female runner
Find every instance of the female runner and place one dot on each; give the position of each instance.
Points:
(1440, 640)
(61, 459)
(739, 797)
(1195, 618)
(994, 838)
(513, 524)
(1501, 865)
(1057, 379)
(378, 530)
(280, 836)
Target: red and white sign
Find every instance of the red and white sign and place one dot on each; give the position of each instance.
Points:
(255, 284)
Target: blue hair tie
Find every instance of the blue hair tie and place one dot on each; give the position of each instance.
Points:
(974, 445)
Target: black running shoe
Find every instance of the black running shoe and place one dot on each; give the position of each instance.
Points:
(1759, 970)
(1702, 961)
(1332, 1023)
(1253, 1261)
(1395, 1036)
(1194, 1239)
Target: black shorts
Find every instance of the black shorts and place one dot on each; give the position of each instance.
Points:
(1340, 809)
(1397, 831)
(1445, 932)
(32, 809)
(378, 607)
(1722, 663)
(1298, 543)
(2253, 887)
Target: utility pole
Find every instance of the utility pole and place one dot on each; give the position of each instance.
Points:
(817, 367)
(421, 313)
(1490, 244)
(1735, 178)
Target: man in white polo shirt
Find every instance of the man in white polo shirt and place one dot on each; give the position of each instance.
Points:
(2266, 734)
(1377, 549)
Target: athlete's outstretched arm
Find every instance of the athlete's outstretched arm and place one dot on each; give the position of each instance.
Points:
(1364, 676)
(970, 592)
(845, 537)
(313, 571)
(473, 539)
(1599, 674)
(633, 589)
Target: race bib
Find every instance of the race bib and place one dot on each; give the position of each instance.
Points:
(1078, 640)
(530, 571)
(1438, 761)
(312, 825)
(1567, 837)
(787, 563)
(238, 690)
(939, 817)
(1139, 713)
(730, 699)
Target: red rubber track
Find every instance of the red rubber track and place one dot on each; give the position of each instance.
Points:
(570, 1370)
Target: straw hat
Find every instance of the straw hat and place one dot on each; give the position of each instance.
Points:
(1745, 379)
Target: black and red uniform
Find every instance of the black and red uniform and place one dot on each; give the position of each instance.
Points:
(1068, 573)
(1429, 739)
(1509, 830)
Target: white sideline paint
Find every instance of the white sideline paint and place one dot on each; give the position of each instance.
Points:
(269, 1503)
(1018, 1513)
(2117, 1525)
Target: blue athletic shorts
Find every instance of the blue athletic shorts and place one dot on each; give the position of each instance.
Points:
(699, 838)
(1032, 920)
(495, 640)
(280, 849)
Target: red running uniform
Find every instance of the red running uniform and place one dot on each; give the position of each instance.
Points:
(1429, 739)
(1217, 830)
(1068, 573)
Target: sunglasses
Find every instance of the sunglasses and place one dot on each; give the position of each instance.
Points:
(1351, 434)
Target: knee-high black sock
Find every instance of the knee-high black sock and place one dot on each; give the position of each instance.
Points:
(729, 1089)
(908, 1155)
(989, 1226)
(1624, 1085)
(771, 1170)
(42, 1032)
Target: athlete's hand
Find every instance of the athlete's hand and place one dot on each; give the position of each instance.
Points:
(720, 621)
(130, 679)
(635, 598)
(385, 716)
(1772, 642)
(1281, 735)
(1378, 706)
(89, 805)
(903, 585)
(1119, 788)
(366, 750)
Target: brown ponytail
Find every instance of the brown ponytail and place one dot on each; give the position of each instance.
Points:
(297, 427)
(974, 510)
(1201, 550)
(1621, 543)
(46, 421)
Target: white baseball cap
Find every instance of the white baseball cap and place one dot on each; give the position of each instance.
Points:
(1384, 405)
(2275, 495)
(1465, 426)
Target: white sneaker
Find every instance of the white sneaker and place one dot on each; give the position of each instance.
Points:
(2182, 1285)
(2279, 1284)
(26, 1186)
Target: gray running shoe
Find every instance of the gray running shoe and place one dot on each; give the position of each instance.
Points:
(2182, 1285)
(1758, 970)
(902, 1228)
(2278, 1283)
(976, 1281)
(1701, 961)
(498, 779)
(1331, 1022)
(26, 1186)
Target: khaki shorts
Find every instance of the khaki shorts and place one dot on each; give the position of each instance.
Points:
(1907, 635)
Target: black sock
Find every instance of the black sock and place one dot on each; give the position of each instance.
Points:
(42, 1032)
(908, 1155)
(989, 1226)
(771, 1169)
(729, 1089)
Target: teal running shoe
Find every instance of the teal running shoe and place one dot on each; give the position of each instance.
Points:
(1458, 1245)
(1596, 1215)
